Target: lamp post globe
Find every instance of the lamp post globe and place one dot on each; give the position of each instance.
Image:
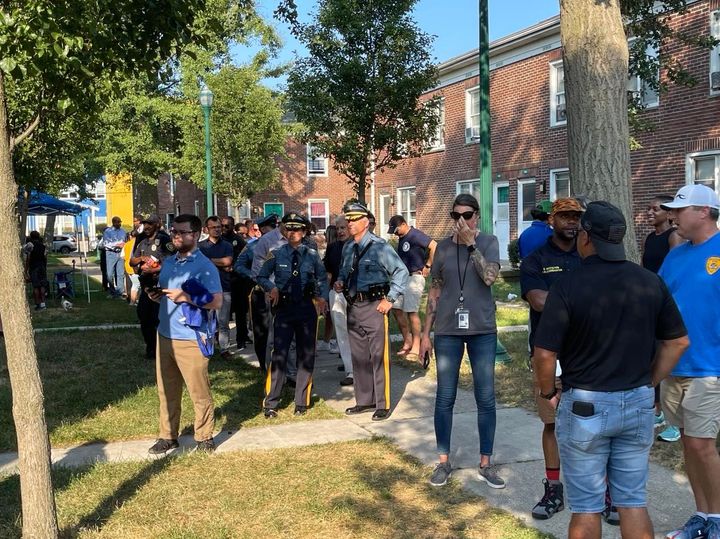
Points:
(206, 101)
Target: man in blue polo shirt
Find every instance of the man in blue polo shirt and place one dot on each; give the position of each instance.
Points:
(184, 333)
(220, 253)
(538, 272)
(539, 230)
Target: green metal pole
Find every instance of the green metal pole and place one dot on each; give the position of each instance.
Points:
(486, 205)
(208, 165)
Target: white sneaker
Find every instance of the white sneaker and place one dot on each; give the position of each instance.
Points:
(322, 346)
(334, 347)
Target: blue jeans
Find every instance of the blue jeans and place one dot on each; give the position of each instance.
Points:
(449, 351)
(115, 269)
(613, 442)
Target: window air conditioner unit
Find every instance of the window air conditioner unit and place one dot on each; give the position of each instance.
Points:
(560, 114)
(472, 133)
(715, 80)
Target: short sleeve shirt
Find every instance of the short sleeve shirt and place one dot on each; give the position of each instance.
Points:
(540, 270)
(692, 273)
(477, 295)
(411, 248)
(221, 249)
(533, 237)
(175, 271)
(603, 319)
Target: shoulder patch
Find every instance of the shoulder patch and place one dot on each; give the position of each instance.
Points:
(170, 247)
(712, 265)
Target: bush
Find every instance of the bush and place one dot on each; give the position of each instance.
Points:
(514, 253)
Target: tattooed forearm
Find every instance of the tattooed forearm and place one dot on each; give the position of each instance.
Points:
(431, 308)
(488, 271)
(437, 282)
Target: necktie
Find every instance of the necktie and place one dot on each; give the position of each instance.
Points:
(353, 279)
(295, 283)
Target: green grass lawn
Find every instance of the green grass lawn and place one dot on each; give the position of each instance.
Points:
(98, 387)
(100, 310)
(357, 490)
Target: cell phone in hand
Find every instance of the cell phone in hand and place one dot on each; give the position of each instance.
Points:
(155, 290)
(426, 360)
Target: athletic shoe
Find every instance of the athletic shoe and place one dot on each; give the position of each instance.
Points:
(490, 476)
(670, 434)
(552, 501)
(660, 420)
(206, 445)
(322, 346)
(162, 446)
(694, 528)
(441, 474)
(334, 347)
(712, 529)
(610, 513)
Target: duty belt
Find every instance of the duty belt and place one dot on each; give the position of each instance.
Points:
(374, 293)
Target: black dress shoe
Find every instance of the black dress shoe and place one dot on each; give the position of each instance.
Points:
(270, 413)
(291, 382)
(300, 410)
(357, 409)
(347, 381)
(381, 414)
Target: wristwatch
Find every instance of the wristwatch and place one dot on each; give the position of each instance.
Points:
(471, 248)
(428, 266)
(550, 395)
(389, 299)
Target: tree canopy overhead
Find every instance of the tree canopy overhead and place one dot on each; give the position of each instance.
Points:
(357, 93)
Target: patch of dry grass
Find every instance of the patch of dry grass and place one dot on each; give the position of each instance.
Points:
(357, 490)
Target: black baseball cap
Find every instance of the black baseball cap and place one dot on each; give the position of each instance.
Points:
(606, 226)
(395, 221)
(268, 220)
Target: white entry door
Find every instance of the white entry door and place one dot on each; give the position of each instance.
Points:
(501, 216)
(385, 214)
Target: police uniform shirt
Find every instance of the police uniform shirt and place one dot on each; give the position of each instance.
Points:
(540, 270)
(243, 264)
(161, 246)
(280, 265)
(238, 244)
(379, 264)
(603, 319)
(268, 242)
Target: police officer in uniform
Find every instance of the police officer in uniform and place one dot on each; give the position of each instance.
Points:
(372, 276)
(147, 258)
(298, 295)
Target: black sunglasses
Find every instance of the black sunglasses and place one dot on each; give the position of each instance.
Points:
(467, 215)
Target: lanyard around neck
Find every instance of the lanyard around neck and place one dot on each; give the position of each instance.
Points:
(461, 278)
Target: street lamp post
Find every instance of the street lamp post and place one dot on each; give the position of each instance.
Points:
(206, 101)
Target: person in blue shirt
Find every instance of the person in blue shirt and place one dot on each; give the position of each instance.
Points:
(114, 239)
(372, 276)
(690, 396)
(298, 295)
(184, 334)
(539, 231)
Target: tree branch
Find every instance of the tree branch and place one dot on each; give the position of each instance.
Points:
(15, 141)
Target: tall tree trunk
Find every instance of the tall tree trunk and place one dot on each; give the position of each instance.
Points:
(596, 71)
(38, 503)
(23, 211)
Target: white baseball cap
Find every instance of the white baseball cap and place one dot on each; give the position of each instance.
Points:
(693, 195)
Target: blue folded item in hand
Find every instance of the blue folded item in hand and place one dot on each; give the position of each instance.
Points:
(199, 295)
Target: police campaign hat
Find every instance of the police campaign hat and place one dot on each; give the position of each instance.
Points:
(606, 226)
(294, 221)
(354, 211)
(268, 220)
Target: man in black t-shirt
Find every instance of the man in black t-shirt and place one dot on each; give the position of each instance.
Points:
(239, 287)
(602, 320)
(538, 272)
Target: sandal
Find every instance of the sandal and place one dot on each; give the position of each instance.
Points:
(403, 351)
(412, 356)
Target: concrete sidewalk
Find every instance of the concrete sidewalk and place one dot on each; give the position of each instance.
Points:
(517, 445)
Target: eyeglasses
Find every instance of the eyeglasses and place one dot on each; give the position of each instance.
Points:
(176, 232)
(216, 227)
(467, 215)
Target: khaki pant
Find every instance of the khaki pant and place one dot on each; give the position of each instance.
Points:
(181, 361)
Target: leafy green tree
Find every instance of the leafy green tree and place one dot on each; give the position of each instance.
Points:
(61, 53)
(357, 94)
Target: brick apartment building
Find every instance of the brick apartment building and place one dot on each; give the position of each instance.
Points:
(529, 149)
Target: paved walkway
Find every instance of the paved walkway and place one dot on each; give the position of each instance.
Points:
(517, 449)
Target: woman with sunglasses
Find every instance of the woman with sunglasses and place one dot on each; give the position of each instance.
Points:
(461, 307)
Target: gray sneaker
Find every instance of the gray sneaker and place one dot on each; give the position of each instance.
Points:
(441, 474)
(490, 476)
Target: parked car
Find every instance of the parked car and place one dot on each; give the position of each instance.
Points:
(64, 244)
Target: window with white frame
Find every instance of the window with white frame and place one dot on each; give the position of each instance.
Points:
(319, 212)
(715, 54)
(437, 142)
(472, 115)
(640, 89)
(406, 204)
(558, 115)
(316, 162)
(559, 184)
(468, 187)
(704, 169)
(68, 194)
(527, 200)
